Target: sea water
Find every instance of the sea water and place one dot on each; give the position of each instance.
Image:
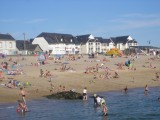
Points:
(135, 105)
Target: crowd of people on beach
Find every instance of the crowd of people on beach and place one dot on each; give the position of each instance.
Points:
(99, 71)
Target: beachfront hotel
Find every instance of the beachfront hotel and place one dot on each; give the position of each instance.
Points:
(59, 44)
(56, 43)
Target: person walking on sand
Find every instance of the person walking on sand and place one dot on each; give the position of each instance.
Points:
(85, 93)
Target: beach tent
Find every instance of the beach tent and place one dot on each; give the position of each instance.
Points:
(41, 57)
(115, 51)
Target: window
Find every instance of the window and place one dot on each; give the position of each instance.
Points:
(129, 44)
(90, 43)
(10, 44)
(71, 40)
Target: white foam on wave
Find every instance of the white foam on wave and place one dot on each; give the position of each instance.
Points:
(10, 107)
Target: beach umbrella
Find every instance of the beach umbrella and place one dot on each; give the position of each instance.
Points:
(41, 57)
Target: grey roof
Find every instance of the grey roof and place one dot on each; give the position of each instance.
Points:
(55, 38)
(99, 39)
(120, 39)
(31, 47)
(83, 39)
(132, 41)
(6, 37)
(28, 45)
(106, 41)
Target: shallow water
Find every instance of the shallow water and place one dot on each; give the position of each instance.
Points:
(131, 106)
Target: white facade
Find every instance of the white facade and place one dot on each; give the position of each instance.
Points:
(70, 49)
(91, 46)
(8, 47)
(42, 43)
(132, 44)
(83, 49)
(60, 48)
(57, 48)
(122, 46)
(107, 46)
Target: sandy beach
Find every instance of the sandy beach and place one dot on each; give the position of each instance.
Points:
(73, 77)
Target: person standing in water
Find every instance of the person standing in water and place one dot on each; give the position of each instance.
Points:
(95, 99)
(125, 89)
(21, 106)
(23, 94)
(146, 89)
(85, 93)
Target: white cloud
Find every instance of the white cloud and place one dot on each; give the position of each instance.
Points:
(138, 15)
(128, 22)
(133, 21)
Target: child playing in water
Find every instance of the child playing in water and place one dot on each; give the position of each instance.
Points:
(21, 106)
(104, 109)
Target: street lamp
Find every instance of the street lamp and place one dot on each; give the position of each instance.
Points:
(24, 41)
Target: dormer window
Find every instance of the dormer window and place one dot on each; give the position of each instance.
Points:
(71, 40)
(61, 39)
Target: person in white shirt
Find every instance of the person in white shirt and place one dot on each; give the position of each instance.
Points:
(85, 93)
(98, 100)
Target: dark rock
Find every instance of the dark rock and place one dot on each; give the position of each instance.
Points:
(65, 95)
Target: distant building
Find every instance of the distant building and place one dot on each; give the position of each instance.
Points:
(7, 44)
(26, 47)
(106, 44)
(89, 44)
(56, 43)
(146, 49)
(124, 42)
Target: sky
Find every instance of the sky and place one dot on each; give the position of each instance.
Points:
(102, 18)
